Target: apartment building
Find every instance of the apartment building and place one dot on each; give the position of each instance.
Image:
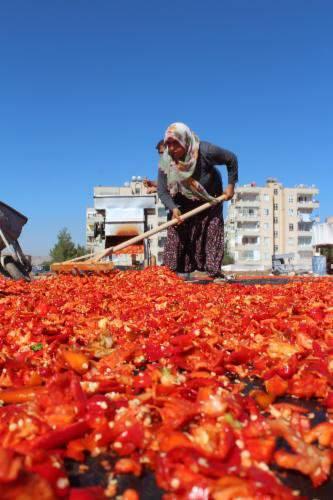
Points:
(271, 219)
(121, 212)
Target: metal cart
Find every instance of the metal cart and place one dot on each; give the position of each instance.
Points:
(283, 263)
(13, 263)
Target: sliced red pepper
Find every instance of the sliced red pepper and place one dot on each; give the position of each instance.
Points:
(20, 395)
(60, 437)
(87, 493)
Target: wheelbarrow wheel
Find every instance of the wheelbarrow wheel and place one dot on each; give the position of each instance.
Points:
(15, 272)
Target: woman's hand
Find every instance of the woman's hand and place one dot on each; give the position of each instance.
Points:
(229, 192)
(151, 186)
(176, 214)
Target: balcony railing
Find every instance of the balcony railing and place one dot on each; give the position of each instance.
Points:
(245, 216)
(302, 246)
(308, 218)
(247, 230)
(247, 246)
(308, 203)
(253, 202)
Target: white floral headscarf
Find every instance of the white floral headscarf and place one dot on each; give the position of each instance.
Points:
(179, 174)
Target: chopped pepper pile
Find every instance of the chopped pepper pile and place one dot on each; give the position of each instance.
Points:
(154, 371)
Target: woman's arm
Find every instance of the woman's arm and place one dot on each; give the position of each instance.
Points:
(163, 192)
(220, 156)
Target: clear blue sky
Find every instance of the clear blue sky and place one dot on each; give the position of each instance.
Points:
(87, 88)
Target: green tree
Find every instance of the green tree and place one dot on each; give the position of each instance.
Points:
(65, 248)
(46, 265)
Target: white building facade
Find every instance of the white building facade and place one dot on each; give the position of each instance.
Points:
(121, 212)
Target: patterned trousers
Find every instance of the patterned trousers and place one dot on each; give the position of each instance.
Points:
(197, 244)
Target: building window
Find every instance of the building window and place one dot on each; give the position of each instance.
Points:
(304, 241)
(276, 234)
(291, 227)
(248, 254)
(290, 211)
(276, 206)
(162, 212)
(276, 248)
(162, 241)
(291, 199)
(291, 241)
(276, 220)
(266, 211)
(250, 240)
(276, 192)
(266, 197)
(266, 226)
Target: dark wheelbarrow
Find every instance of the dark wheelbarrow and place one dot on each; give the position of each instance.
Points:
(13, 262)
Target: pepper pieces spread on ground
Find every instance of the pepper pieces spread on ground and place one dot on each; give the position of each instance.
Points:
(150, 369)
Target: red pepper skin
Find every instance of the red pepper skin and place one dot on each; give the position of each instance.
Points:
(276, 385)
(243, 355)
(52, 474)
(317, 350)
(268, 484)
(261, 448)
(89, 493)
(153, 352)
(183, 340)
(329, 400)
(78, 394)
(285, 370)
(56, 439)
(318, 366)
(20, 395)
(142, 380)
(10, 465)
(317, 313)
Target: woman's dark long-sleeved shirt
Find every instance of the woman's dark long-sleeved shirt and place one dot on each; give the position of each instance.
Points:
(206, 173)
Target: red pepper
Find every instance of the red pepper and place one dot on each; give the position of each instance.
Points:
(318, 366)
(97, 405)
(10, 465)
(242, 355)
(261, 448)
(287, 370)
(317, 350)
(20, 395)
(329, 400)
(54, 475)
(153, 351)
(133, 435)
(142, 380)
(267, 484)
(183, 340)
(78, 394)
(276, 385)
(317, 313)
(58, 438)
(88, 493)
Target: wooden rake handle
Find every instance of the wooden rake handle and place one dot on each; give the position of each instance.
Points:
(136, 239)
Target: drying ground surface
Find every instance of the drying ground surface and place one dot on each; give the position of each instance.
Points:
(207, 387)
